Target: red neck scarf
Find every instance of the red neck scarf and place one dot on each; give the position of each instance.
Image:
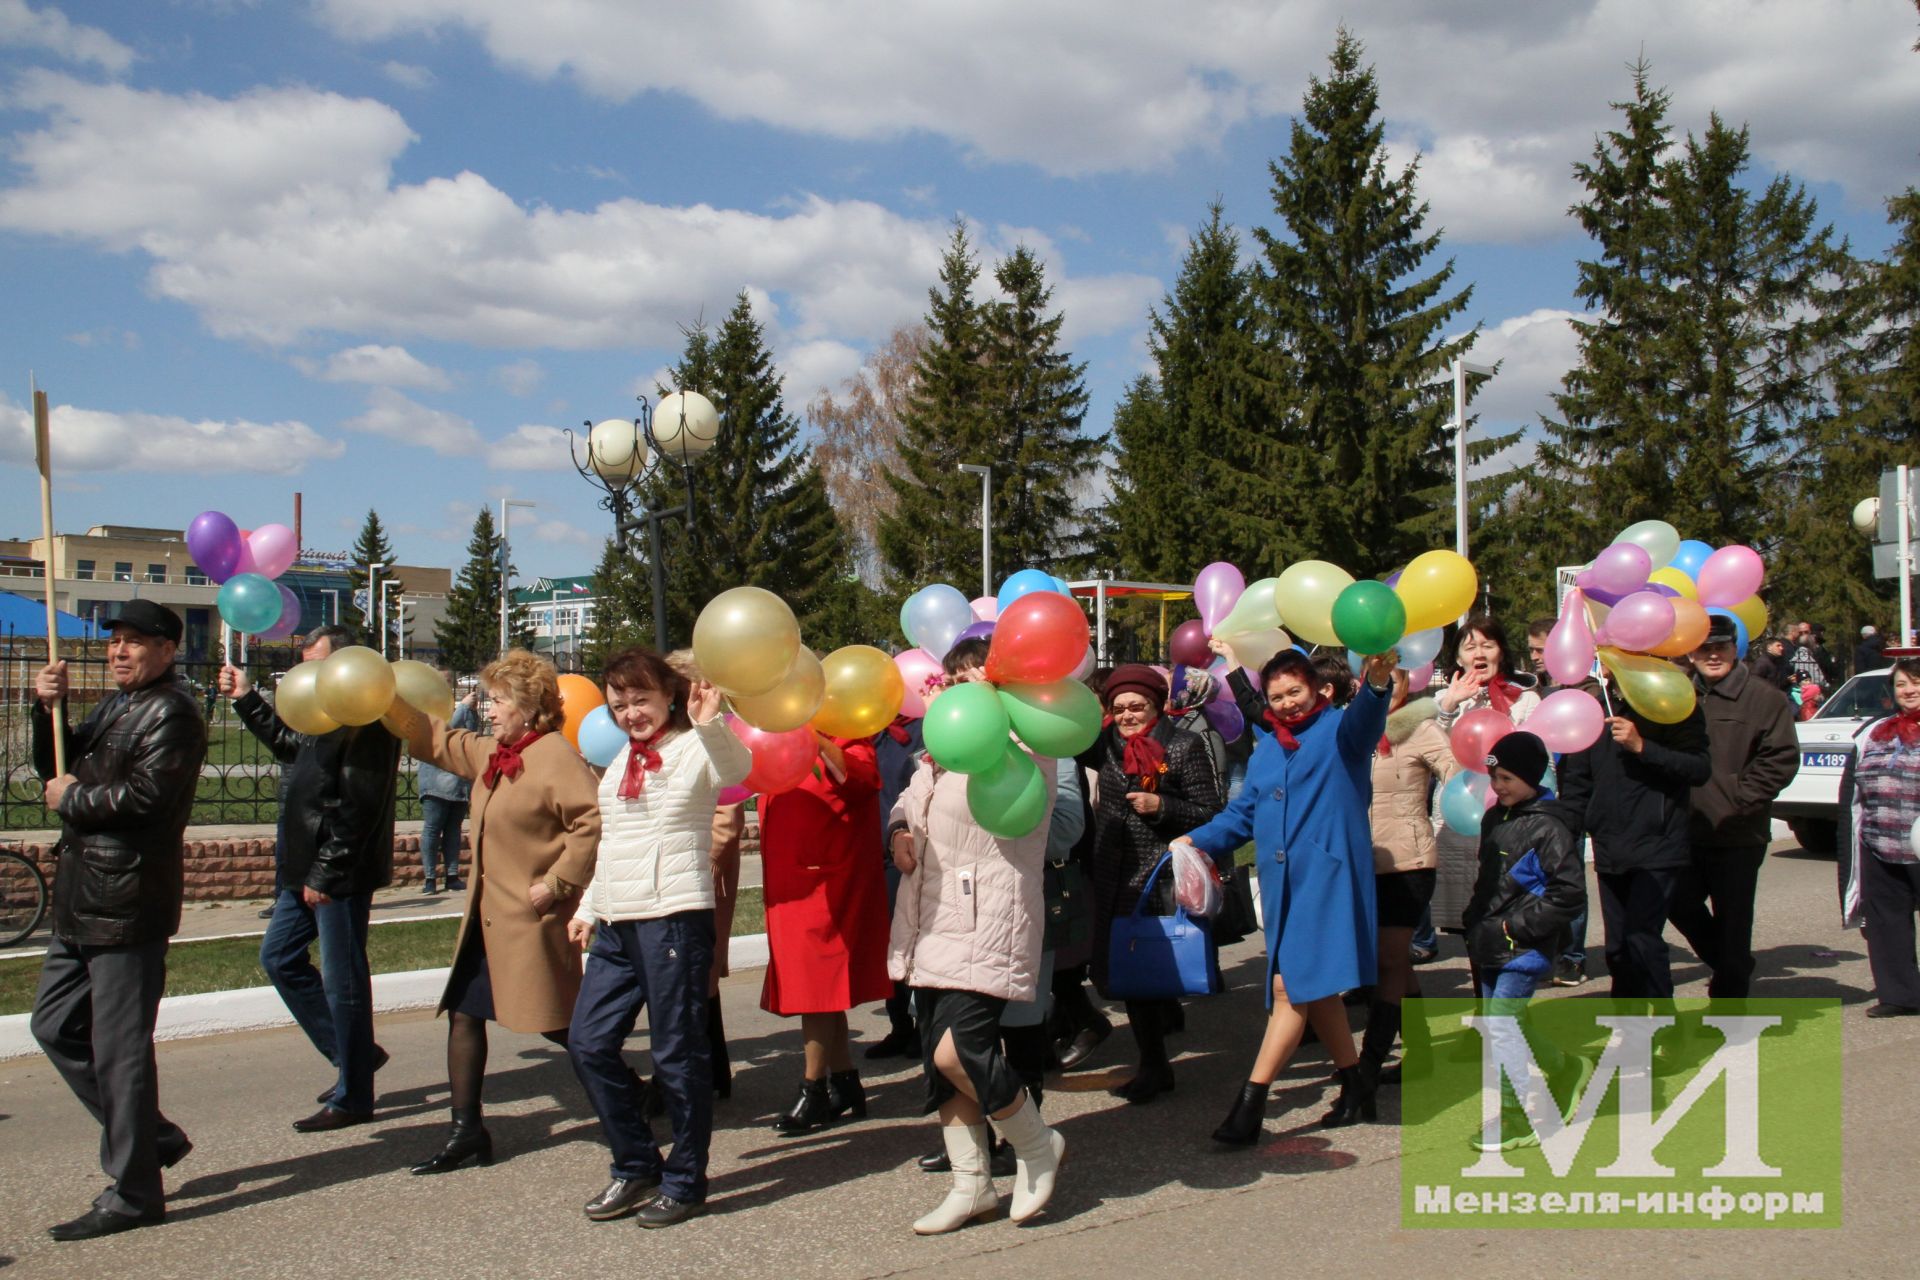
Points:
(1143, 757)
(642, 760)
(1283, 729)
(1502, 693)
(1905, 725)
(898, 730)
(505, 763)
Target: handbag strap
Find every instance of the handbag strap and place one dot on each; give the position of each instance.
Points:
(1146, 892)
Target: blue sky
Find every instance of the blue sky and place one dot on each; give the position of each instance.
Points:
(383, 252)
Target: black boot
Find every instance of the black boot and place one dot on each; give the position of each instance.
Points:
(1383, 1025)
(846, 1095)
(1003, 1163)
(1357, 1085)
(811, 1109)
(717, 1046)
(469, 1141)
(1241, 1128)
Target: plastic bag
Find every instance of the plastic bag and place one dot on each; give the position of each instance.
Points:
(1196, 881)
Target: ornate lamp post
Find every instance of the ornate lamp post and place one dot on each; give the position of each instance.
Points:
(623, 454)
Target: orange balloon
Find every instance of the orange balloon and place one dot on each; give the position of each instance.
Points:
(1689, 629)
(578, 696)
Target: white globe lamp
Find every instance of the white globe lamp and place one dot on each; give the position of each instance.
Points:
(618, 451)
(685, 425)
(1866, 514)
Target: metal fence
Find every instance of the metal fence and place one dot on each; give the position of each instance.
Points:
(239, 783)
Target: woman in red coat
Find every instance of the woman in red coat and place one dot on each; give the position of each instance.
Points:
(826, 920)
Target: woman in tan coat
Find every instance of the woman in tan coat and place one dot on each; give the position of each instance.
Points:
(536, 827)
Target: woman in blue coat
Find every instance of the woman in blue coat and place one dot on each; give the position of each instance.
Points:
(1305, 807)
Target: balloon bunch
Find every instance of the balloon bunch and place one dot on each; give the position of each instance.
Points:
(356, 686)
(1647, 598)
(245, 563)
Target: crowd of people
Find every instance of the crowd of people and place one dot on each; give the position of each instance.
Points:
(882, 887)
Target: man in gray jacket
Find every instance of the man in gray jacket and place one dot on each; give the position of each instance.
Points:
(1755, 755)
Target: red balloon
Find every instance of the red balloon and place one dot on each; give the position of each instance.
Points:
(781, 761)
(1187, 646)
(1037, 639)
(1474, 735)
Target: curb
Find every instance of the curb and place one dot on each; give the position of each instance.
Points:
(258, 1008)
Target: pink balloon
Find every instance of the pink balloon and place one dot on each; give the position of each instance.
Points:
(1570, 645)
(731, 795)
(1216, 589)
(1622, 567)
(1474, 735)
(917, 666)
(1567, 720)
(781, 761)
(274, 549)
(986, 609)
(1420, 677)
(1640, 621)
(1729, 576)
(245, 564)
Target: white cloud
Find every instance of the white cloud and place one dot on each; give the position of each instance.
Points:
(1533, 351)
(104, 440)
(563, 533)
(807, 368)
(520, 377)
(396, 417)
(23, 26)
(529, 447)
(378, 366)
(408, 75)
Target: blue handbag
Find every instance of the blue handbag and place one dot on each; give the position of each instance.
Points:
(1154, 957)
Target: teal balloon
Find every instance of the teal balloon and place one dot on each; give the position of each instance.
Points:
(250, 603)
(1368, 617)
(1058, 719)
(1463, 802)
(966, 728)
(1010, 800)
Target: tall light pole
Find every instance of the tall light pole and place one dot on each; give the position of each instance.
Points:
(506, 561)
(1461, 371)
(986, 523)
(400, 641)
(328, 591)
(373, 588)
(385, 587)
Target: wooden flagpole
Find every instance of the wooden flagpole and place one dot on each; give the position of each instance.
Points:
(43, 455)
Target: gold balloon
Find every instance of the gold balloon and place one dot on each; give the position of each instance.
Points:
(1654, 687)
(745, 641)
(423, 688)
(297, 700)
(1252, 649)
(1304, 594)
(863, 693)
(1753, 612)
(355, 685)
(1677, 579)
(789, 704)
(1437, 587)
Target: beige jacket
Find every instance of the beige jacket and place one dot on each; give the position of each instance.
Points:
(1404, 783)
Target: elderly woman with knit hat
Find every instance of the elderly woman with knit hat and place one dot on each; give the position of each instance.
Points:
(1156, 783)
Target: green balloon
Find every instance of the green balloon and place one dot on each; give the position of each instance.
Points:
(1009, 801)
(966, 728)
(1058, 719)
(1369, 617)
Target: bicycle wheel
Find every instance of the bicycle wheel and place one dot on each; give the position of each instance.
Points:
(23, 898)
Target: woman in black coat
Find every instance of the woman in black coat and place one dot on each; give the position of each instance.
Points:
(1155, 783)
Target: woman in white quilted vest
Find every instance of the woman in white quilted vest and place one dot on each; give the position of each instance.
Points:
(649, 914)
(967, 938)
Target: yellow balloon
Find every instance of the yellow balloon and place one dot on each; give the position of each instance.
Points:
(1438, 587)
(789, 704)
(1753, 612)
(422, 688)
(1253, 611)
(745, 641)
(863, 694)
(1304, 594)
(355, 685)
(1677, 579)
(1252, 649)
(1654, 687)
(297, 700)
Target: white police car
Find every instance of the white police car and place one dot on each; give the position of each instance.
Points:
(1810, 805)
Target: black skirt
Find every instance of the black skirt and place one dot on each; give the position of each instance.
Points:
(1401, 897)
(470, 985)
(974, 1020)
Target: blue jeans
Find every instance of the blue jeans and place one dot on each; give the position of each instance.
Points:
(1507, 996)
(440, 820)
(332, 1004)
(1426, 937)
(661, 964)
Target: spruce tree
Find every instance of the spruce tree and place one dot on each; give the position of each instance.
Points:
(622, 606)
(371, 547)
(1150, 503)
(469, 632)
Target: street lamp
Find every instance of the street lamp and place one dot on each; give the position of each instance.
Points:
(623, 455)
(1461, 371)
(400, 641)
(385, 587)
(986, 523)
(506, 561)
(330, 591)
(373, 588)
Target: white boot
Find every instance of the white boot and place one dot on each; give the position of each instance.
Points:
(973, 1197)
(1039, 1151)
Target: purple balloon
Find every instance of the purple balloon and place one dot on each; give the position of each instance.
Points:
(1661, 588)
(1215, 591)
(978, 631)
(1622, 567)
(214, 542)
(289, 617)
(1607, 598)
(1225, 718)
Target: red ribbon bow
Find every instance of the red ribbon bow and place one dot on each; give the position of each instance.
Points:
(1906, 726)
(642, 760)
(898, 730)
(505, 763)
(1144, 758)
(1502, 693)
(1283, 729)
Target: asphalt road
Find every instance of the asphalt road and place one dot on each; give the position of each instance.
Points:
(1143, 1193)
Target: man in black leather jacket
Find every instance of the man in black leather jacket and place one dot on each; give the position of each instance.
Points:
(336, 832)
(123, 803)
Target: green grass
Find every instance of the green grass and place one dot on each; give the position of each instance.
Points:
(229, 964)
(1244, 856)
(235, 799)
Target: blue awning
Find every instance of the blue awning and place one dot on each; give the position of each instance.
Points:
(24, 616)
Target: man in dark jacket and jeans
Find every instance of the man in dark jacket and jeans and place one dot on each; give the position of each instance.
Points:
(336, 826)
(1629, 792)
(1755, 755)
(123, 804)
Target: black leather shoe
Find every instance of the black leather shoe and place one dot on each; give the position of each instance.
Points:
(103, 1222)
(1084, 1042)
(1003, 1164)
(329, 1118)
(1358, 1084)
(665, 1211)
(1147, 1084)
(380, 1059)
(468, 1141)
(846, 1095)
(897, 1043)
(622, 1197)
(1884, 1010)
(811, 1108)
(1241, 1128)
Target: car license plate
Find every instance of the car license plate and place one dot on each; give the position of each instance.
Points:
(1823, 759)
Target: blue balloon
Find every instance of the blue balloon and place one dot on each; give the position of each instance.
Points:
(600, 738)
(250, 603)
(1691, 555)
(1463, 802)
(1740, 637)
(1025, 582)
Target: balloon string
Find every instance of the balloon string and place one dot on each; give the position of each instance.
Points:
(226, 644)
(1606, 701)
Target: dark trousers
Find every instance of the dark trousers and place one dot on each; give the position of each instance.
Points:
(1721, 934)
(662, 965)
(1889, 895)
(93, 1016)
(440, 821)
(1633, 908)
(333, 1004)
